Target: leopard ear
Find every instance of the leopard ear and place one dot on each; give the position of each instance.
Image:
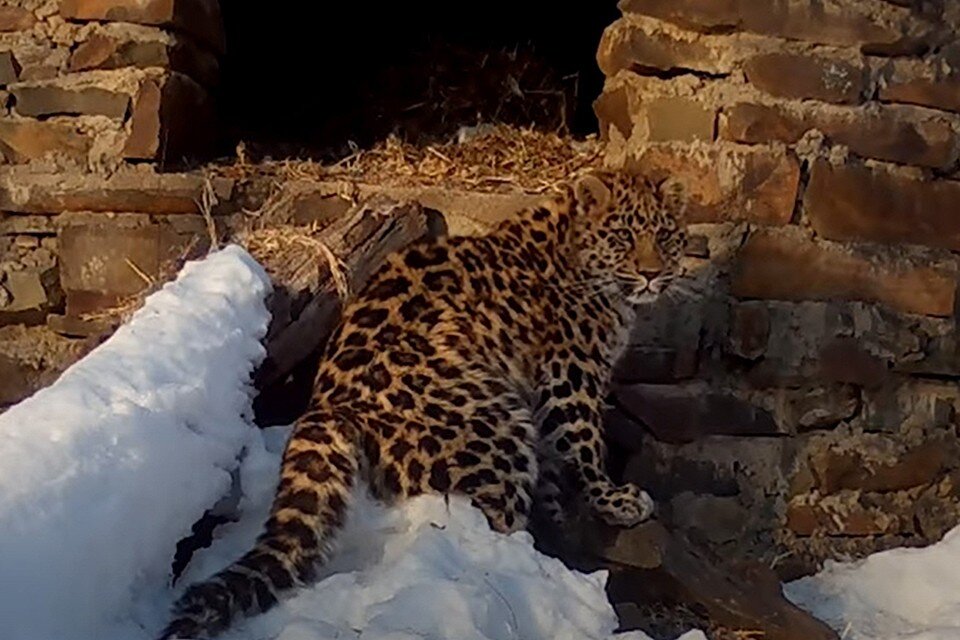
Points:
(593, 196)
(673, 194)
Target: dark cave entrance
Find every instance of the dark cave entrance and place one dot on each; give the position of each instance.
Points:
(318, 78)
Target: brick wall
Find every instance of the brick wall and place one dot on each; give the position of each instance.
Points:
(101, 101)
(805, 406)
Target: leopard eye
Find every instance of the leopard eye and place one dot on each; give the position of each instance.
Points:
(624, 235)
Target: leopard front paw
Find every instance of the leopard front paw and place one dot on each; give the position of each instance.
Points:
(624, 506)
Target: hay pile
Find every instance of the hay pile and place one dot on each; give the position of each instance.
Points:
(485, 158)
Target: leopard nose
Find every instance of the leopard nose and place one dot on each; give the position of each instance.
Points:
(648, 259)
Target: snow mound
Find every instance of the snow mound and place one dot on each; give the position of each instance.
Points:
(901, 594)
(103, 472)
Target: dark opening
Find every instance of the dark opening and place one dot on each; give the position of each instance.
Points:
(316, 78)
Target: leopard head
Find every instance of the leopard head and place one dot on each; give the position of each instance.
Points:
(629, 232)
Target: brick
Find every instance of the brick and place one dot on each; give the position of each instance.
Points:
(818, 408)
(28, 295)
(749, 330)
(835, 470)
(856, 203)
(939, 94)
(785, 266)
(13, 224)
(684, 413)
(932, 82)
(890, 134)
(22, 140)
(612, 109)
(852, 24)
(96, 263)
(9, 68)
(726, 182)
(904, 404)
(843, 359)
(15, 19)
(787, 75)
(133, 191)
(656, 365)
(851, 519)
(18, 379)
(642, 47)
(170, 120)
(104, 51)
(200, 18)
(38, 100)
(675, 119)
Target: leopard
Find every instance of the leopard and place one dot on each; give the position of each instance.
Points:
(475, 366)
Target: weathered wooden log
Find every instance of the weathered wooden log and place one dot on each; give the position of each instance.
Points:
(314, 271)
(649, 564)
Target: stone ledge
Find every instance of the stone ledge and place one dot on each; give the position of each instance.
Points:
(126, 191)
(788, 266)
(200, 18)
(873, 26)
(897, 134)
(851, 203)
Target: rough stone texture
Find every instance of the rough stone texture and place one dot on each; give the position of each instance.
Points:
(656, 365)
(857, 203)
(845, 518)
(127, 191)
(103, 260)
(14, 224)
(749, 330)
(201, 18)
(100, 262)
(613, 110)
(857, 24)
(803, 405)
(895, 135)
(22, 140)
(52, 99)
(785, 267)
(170, 119)
(674, 119)
(9, 68)
(726, 183)
(931, 82)
(837, 469)
(15, 19)
(640, 45)
(809, 78)
(685, 413)
(28, 295)
(107, 50)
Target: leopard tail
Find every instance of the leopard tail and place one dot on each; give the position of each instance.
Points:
(317, 474)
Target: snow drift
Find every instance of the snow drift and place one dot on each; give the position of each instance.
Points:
(103, 472)
(901, 594)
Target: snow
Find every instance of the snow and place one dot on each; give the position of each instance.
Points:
(901, 594)
(103, 472)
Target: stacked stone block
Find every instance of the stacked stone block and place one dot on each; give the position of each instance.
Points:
(805, 405)
(101, 102)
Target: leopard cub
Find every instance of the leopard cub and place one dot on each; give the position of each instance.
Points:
(469, 365)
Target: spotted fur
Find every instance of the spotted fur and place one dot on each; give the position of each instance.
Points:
(474, 366)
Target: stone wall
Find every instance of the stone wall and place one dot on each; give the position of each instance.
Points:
(804, 404)
(96, 98)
